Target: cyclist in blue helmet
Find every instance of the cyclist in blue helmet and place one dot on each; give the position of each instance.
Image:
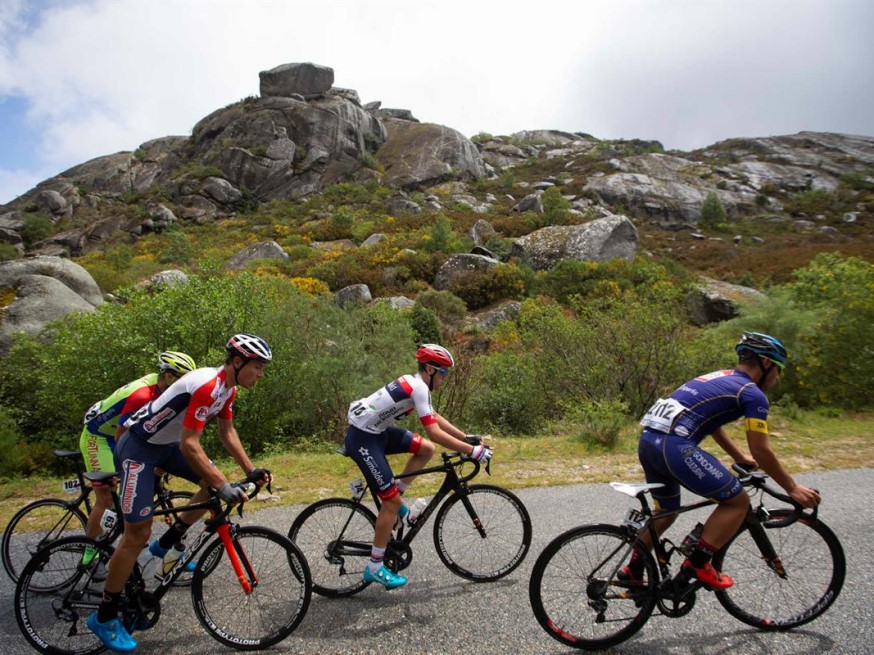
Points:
(670, 454)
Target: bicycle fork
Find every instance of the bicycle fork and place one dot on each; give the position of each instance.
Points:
(239, 560)
(760, 537)
(474, 517)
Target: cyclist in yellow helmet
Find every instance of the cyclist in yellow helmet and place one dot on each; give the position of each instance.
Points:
(104, 421)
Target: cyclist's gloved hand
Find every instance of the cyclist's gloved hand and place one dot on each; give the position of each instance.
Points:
(260, 475)
(231, 494)
(482, 454)
(473, 439)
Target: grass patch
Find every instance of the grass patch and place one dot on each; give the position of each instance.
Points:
(806, 443)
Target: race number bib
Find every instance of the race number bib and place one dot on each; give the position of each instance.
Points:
(662, 415)
(92, 412)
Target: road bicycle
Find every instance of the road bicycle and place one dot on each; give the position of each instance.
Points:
(250, 588)
(44, 521)
(788, 568)
(481, 532)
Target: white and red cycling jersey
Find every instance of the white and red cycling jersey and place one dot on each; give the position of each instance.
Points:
(189, 402)
(394, 401)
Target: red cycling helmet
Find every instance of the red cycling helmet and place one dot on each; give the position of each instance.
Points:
(431, 353)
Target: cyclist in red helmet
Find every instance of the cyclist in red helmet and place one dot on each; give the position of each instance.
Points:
(372, 435)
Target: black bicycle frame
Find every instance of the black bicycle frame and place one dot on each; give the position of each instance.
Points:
(452, 482)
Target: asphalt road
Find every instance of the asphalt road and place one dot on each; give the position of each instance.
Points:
(440, 613)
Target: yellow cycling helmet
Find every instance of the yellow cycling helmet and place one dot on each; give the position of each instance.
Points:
(179, 363)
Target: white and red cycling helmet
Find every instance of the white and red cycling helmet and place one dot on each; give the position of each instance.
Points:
(249, 346)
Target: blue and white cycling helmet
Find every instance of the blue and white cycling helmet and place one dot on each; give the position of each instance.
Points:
(762, 345)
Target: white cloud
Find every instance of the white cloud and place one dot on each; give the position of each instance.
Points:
(105, 76)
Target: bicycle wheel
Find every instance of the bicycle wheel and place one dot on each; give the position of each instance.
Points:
(34, 526)
(576, 597)
(335, 534)
(53, 622)
(488, 544)
(814, 565)
(277, 603)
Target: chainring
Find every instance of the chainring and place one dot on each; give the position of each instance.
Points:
(677, 603)
(398, 555)
(142, 613)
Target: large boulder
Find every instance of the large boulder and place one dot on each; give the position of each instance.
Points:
(354, 294)
(39, 300)
(45, 289)
(599, 240)
(459, 265)
(667, 189)
(424, 154)
(263, 250)
(713, 300)
(488, 319)
(68, 273)
(307, 79)
(279, 147)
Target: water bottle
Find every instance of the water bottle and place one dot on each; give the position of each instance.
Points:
(417, 508)
(691, 540)
(171, 558)
(108, 520)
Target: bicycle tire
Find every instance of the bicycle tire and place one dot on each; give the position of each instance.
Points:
(35, 525)
(272, 610)
(316, 530)
(463, 548)
(572, 593)
(815, 566)
(53, 622)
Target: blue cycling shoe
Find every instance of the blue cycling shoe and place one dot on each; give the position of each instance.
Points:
(384, 577)
(112, 633)
(157, 551)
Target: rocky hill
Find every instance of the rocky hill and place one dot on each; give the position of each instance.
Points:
(793, 195)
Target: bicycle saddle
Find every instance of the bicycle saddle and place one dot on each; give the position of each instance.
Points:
(634, 489)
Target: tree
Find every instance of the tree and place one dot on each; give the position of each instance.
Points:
(712, 211)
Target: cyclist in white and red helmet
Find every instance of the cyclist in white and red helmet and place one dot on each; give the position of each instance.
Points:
(166, 433)
(372, 435)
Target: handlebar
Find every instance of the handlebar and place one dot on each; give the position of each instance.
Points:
(757, 479)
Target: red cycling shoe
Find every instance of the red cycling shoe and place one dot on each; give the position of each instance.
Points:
(709, 575)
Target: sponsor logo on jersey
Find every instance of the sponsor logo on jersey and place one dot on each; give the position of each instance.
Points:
(155, 422)
(129, 493)
(202, 413)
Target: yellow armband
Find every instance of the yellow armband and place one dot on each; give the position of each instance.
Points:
(756, 425)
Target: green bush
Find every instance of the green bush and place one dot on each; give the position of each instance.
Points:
(712, 211)
(598, 422)
(324, 357)
(482, 288)
(449, 308)
(836, 358)
(36, 228)
(7, 252)
(817, 201)
(556, 358)
(556, 208)
(425, 325)
(440, 237)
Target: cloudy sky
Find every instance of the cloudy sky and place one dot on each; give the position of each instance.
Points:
(84, 78)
